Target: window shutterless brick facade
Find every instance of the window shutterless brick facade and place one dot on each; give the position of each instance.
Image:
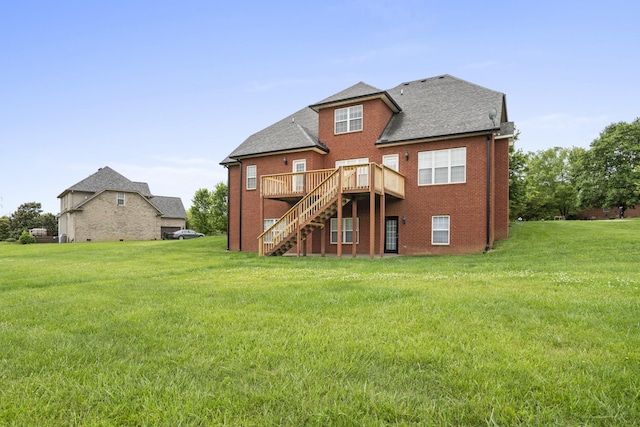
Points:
(403, 127)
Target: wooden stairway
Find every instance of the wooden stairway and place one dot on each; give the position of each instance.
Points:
(311, 211)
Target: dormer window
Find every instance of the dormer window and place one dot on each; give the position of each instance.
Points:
(348, 119)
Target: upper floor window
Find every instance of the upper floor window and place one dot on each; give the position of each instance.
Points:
(348, 119)
(120, 199)
(442, 166)
(251, 177)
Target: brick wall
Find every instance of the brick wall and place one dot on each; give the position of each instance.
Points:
(465, 203)
(103, 220)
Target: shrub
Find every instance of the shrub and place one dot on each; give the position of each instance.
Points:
(26, 238)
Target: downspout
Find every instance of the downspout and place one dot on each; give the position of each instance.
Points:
(228, 204)
(240, 210)
(488, 195)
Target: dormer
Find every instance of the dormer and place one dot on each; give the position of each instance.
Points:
(359, 113)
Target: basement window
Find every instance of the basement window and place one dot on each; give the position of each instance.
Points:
(347, 230)
(440, 230)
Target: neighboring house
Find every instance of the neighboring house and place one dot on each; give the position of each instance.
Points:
(106, 206)
(608, 213)
(422, 168)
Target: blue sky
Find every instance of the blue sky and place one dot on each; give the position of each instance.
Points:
(162, 91)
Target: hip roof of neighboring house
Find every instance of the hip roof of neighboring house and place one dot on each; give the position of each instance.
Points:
(106, 179)
(432, 108)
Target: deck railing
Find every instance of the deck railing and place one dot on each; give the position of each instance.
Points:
(292, 184)
(345, 179)
(356, 178)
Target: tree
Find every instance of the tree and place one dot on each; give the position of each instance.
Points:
(219, 208)
(5, 227)
(517, 183)
(550, 188)
(608, 174)
(200, 218)
(50, 222)
(208, 213)
(25, 217)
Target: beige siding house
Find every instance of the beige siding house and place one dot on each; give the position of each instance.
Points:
(106, 206)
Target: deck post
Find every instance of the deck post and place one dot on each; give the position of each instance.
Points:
(372, 211)
(354, 222)
(339, 239)
(383, 208)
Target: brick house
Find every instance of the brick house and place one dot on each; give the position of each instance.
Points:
(106, 206)
(422, 168)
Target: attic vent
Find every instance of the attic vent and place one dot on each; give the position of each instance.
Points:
(423, 80)
(406, 84)
(441, 77)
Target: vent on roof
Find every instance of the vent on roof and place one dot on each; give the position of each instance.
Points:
(441, 77)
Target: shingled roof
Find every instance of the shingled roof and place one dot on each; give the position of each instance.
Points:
(442, 106)
(300, 130)
(423, 109)
(106, 179)
(171, 207)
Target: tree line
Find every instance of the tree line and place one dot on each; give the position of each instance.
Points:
(27, 216)
(565, 181)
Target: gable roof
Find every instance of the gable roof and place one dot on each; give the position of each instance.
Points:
(108, 179)
(423, 109)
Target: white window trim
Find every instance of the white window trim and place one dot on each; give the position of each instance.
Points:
(434, 229)
(394, 159)
(298, 181)
(422, 165)
(268, 222)
(349, 119)
(252, 175)
(334, 229)
(118, 198)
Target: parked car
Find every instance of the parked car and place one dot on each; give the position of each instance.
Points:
(185, 234)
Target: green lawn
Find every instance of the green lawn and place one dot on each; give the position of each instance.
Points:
(544, 330)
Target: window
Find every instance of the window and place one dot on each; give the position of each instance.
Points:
(251, 177)
(391, 161)
(120, 199)
(268, 222)
(348, 119)
(362, 172)
(442, 166)
(298, 179)
(440, 230)
(347, 230)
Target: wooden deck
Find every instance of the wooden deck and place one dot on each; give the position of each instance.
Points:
(319, 195)
(354, 179)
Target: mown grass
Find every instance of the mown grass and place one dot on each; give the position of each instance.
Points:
(544, 330)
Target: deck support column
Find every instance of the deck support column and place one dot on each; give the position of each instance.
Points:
(383, 208)
(372, 211)
(354, 219)
(339, 242)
